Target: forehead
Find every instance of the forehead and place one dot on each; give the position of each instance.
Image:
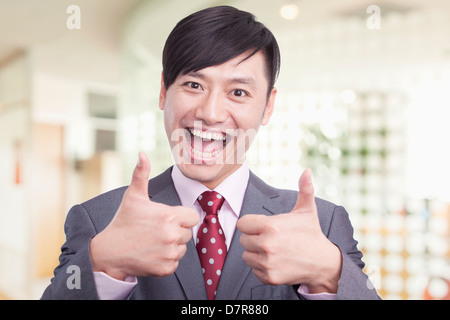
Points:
(242, 69)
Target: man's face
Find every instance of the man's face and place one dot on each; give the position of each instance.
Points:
(212, 115)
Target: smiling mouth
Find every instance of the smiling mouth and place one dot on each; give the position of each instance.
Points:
(206, 144)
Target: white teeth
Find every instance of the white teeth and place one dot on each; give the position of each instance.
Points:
(217, 136)
(205, 154)
(208, 135)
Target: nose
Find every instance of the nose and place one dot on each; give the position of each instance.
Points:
(212, 109)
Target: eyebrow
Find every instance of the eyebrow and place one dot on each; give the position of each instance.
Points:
(242, 80)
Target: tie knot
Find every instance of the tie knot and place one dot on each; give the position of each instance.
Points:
(210, 201)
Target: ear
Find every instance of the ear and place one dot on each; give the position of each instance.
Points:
(269, 107)
(162, 93)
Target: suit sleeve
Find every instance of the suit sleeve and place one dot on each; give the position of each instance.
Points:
(73, 277)
(354, 283)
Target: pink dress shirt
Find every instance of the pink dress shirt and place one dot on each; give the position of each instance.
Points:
(233, 190)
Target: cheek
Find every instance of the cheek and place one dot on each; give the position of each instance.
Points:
(248, 118)
(173, 111)
(170, 119)
(247, 129)
(177, 115)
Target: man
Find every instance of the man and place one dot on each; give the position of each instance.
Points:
(158, 239)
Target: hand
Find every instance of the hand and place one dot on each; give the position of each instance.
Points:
(291, 248)
(144, 238)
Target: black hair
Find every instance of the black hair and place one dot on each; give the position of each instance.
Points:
(213, 36)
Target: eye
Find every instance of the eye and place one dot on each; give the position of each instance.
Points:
(239, 93)
(193, 85)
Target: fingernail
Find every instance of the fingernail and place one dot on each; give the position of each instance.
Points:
(139, 161)
(310, 176)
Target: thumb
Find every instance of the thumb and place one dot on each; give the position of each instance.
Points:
(305, 198)
(141, 173)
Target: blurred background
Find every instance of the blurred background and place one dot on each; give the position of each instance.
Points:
(363, 100)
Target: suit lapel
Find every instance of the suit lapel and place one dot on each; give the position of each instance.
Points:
(189, 274)
(257, 200)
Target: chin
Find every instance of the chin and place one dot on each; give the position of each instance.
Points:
(210, 175)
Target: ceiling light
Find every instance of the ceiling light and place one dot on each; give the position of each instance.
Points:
(289, 11)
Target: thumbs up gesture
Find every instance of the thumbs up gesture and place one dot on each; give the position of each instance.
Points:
(291, 248)
(144, 238)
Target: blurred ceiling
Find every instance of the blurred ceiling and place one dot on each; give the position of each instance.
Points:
(90, 53)
(41, 25)
(26, 23)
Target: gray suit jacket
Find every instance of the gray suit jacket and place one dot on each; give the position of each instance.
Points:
(237, 281)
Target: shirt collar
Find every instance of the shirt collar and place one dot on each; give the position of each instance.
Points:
(232, 188)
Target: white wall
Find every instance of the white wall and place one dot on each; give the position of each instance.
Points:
(14, 211)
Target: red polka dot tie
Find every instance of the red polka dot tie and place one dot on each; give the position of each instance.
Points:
(211, 246)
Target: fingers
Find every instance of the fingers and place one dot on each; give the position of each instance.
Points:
(251, 259)
(185, 237)
(188, 218)
(251, 227)
(250, 242)
(305, 198)
(141, 173)
(251, 224)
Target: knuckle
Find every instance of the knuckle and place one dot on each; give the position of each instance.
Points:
(171, 238)
(266, 262)
(167, 218)
(267, 247)
(246, 257)
(173, 266)
(176, 252)
(267, 276)
(168, 268)
(271, 228)
(181, 251)
(272, 279)
(171, 234)
(170, 253)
